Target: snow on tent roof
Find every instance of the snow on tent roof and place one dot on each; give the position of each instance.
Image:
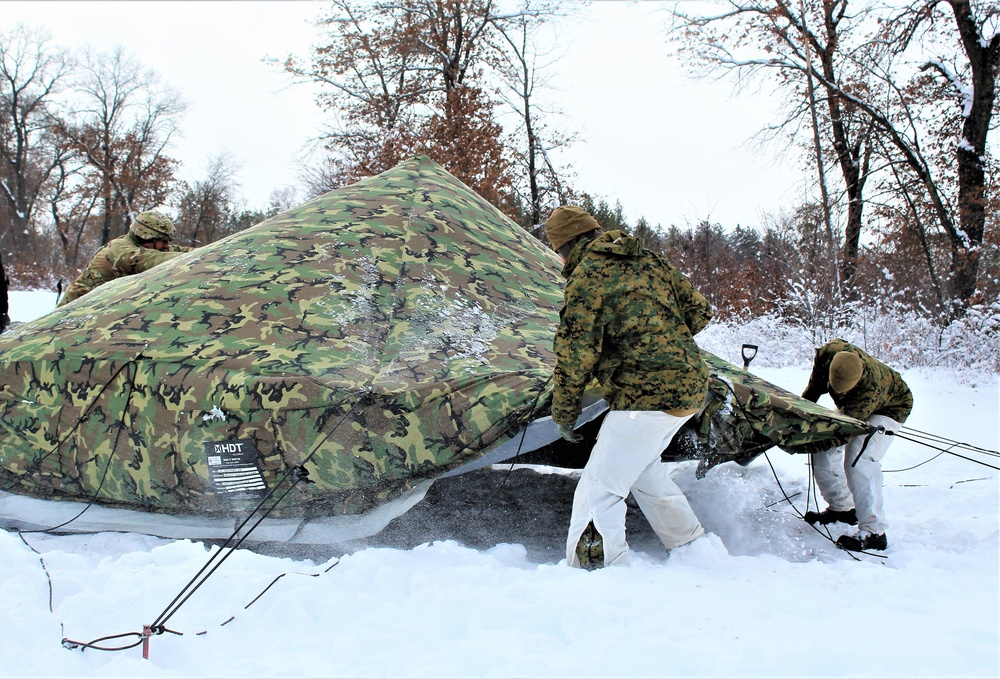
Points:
(383, 333)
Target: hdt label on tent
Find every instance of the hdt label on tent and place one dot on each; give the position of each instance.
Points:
(232, 469)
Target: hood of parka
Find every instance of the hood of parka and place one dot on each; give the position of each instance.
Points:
(614, 243)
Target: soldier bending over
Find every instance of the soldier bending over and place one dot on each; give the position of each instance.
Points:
(146, 244)
(851, 481)
(629, 320)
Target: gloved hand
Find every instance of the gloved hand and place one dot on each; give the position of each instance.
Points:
(567, 433)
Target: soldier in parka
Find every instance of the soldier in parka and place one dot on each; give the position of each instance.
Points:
(850, 477)
(146, 244)
(629, 320)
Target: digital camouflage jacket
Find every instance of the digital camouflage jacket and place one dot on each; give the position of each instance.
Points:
(123, 256)
(881, 390)
(629, 321)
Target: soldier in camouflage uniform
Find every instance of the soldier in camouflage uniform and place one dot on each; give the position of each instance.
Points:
(628, 321)
(146, 244)
(867, 390)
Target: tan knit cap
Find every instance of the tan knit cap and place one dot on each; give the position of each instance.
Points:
(845, 371)
(566, 223)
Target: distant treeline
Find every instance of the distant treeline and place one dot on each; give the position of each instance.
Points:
(898, 167)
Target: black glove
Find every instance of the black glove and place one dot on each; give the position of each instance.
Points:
(567, 433)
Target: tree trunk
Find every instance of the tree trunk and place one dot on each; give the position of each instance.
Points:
(984, 62)
(4, 301)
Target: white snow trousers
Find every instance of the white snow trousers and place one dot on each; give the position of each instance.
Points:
(860, 485)
(626, 458)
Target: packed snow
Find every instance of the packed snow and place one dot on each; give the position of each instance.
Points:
(472, 581)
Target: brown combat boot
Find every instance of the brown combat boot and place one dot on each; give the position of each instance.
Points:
(590, 549)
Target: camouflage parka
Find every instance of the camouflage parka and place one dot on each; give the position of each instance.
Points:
(629, 321)
(123, 256)
(881, 390)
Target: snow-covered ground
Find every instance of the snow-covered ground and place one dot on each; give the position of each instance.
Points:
(469, 582)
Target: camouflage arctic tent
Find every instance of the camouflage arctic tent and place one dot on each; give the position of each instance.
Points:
(374, 337)
(340, 356)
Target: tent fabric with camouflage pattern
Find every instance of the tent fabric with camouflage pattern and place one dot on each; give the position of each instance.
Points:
(374, 337)
(746, 415)
(340, 356)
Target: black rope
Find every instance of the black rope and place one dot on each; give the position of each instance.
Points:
(864, 445)
(945, 450)
(71, 644)
(35, 464)
(824, 532)
(45, 568)
(193, 584)
(265, 590)
(787, 499)
(107, 466)
(919, 464)
(524, 433)
(941, 439)
(915, 436)
(984, 478)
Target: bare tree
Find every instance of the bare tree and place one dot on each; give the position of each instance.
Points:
(813, 51)
(372, 82)
(31, 74)
(889, 106)
(409, 76)
(122, 126)
(963, 61)
(539, 182)
(205, 209)
(71, 208)
(4, 298)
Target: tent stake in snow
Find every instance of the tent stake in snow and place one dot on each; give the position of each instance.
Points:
(749, 353)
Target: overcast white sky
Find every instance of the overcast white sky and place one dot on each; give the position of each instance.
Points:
(669, 149)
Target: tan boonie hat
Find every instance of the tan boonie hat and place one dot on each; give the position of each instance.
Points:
(566, 223)
(151, 225)
(845, 371)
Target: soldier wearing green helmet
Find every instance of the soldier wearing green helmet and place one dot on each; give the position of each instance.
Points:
(146, 244)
